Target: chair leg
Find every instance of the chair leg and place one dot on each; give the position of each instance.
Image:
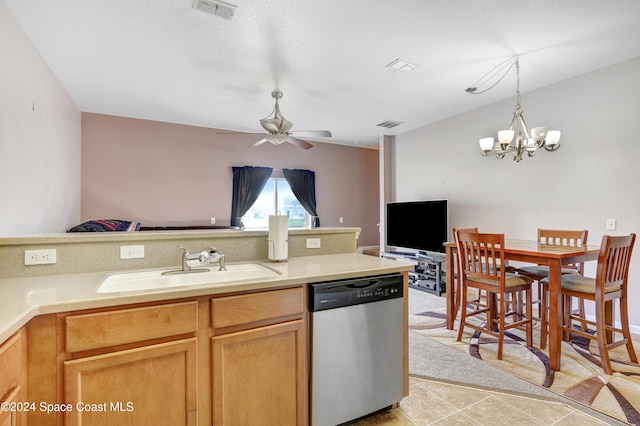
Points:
(566, 312)
(626, 333)
(457, 295)
(463, 312)
(581, 312)
(494, 312)
(501, 319)
(544, 317)
(541, 295)
(529, 316)
(602, 338)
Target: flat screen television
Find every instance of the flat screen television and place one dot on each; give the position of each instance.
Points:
(418, 225)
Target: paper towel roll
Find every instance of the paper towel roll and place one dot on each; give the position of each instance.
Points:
(278, 241)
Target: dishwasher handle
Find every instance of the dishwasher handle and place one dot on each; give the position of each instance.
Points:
(365, 284)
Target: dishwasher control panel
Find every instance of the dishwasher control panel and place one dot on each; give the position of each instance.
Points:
(336, 294)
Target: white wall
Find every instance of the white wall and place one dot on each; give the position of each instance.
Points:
(39, 140)
(593, 176)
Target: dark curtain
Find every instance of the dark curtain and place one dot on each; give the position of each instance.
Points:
(247, 185)
(303, 185)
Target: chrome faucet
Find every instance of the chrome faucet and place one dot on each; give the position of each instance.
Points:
(211, 255)
(204, 257)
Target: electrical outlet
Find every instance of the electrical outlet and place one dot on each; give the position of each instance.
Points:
(340, 219)
(213, 220)
(40, 257)
(313, 242)
(611, 225)
(131, 252)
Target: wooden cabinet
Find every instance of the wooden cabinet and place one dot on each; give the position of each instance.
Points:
(259, 376)
(151, 385)
(233, 359)
(260, 372)
(125, 379)
(13, 381)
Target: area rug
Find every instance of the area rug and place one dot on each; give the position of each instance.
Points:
(581, 377)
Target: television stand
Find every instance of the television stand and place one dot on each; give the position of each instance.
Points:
(429, 271)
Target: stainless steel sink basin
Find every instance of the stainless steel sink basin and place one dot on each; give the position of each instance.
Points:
(154, 280)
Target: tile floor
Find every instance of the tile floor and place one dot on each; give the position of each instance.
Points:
(437, 403)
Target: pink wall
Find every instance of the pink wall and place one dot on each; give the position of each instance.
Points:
(170, 174)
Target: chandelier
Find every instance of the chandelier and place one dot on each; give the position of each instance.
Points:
(517, 138)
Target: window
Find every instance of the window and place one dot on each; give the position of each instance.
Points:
(276, 196)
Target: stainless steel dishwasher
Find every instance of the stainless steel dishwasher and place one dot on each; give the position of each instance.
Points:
(356, 329)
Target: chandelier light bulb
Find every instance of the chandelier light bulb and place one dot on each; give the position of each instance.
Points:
(539, 133)
(486, 144)
(505, 136)
(553, 137)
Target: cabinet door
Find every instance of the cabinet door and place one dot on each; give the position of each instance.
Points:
(12, 417)
(260, 376)
(152, 385)
(13, 379)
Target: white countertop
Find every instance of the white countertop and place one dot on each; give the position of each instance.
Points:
(24, 298)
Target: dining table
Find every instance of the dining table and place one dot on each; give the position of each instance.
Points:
(554, 256)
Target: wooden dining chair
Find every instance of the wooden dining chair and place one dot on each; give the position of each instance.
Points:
(610, 284)
(480, 257)
(554, 237)
(474, 302)
(458, 288)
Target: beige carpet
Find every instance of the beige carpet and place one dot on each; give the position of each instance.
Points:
(581, 377)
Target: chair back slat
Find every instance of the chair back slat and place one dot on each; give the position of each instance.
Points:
(481, 255)
(613, 261)
(563, 237)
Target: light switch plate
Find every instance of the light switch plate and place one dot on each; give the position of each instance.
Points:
(611, 225)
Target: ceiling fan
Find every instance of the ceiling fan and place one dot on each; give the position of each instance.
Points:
(278, 129)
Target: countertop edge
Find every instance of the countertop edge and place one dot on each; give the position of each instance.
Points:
(22, 299)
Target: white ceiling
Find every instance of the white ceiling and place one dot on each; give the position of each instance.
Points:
(163, 60)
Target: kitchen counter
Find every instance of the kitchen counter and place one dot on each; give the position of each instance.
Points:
(21, 299)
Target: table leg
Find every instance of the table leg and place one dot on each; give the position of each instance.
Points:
(555, 313)
(452, 295)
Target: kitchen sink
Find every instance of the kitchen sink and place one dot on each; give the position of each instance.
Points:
(155, 280)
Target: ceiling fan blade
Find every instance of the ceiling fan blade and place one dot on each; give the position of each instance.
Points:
(238, 133)
(312, 133)
(298, 142)
(260, 142)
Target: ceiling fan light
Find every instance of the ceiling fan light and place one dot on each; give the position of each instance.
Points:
(271, 125)
(276, 139)
(276, 125)
(285, 125)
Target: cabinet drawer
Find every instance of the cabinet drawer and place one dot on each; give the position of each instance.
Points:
(103, 329)
(257, 307)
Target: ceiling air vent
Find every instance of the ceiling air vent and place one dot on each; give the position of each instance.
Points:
(215, 7)
(389, 124)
